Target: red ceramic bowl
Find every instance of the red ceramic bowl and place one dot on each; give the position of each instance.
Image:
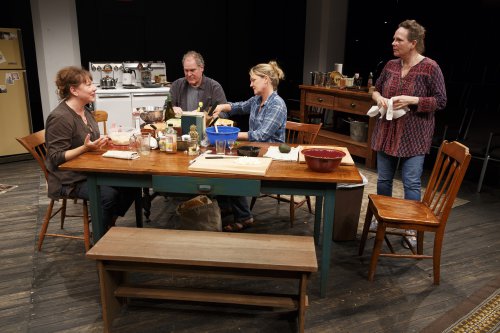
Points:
(323, 159)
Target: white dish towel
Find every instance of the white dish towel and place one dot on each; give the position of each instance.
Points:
(390, 113)
(122, 154)
(274, 153)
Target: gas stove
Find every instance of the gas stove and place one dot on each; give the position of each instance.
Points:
(156, 68)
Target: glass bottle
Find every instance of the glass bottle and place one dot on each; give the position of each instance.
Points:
(370, 80)
(357, 80)
(169, 109)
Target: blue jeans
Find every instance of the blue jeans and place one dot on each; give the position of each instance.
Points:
(239, 206)
(411, 171)
(115, 201)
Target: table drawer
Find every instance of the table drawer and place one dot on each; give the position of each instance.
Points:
(353, 105)
(320, 100)
(216, 186)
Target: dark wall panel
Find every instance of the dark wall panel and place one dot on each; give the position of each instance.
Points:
(231, 36)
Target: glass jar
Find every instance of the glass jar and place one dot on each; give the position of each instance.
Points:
(171, 135)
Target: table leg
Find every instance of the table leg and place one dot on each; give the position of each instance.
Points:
(328, 214)
(138, 209)
(146, 203)
(318, 209)
(95, 208)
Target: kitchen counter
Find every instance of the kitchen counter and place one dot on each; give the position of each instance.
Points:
(120, 90)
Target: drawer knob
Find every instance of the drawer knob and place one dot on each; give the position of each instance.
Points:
(353, 105)
(204, 189)
(320, 99)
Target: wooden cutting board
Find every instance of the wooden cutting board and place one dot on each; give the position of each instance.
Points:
(347, 160)
(231, 165)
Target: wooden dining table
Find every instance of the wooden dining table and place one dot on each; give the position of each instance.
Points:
(165, 172)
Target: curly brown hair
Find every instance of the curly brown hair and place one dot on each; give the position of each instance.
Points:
(68, 77)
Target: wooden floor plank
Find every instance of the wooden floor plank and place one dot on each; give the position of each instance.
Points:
(57, 289)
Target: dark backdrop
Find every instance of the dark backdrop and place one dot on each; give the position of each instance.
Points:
(232, 36)
(458, 36)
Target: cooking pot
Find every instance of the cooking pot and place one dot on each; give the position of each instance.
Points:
(358, 130)
(108, 81)
(151, 114)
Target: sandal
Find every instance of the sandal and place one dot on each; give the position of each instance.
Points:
(238, 226)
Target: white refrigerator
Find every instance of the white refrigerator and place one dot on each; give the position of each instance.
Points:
(15, 117)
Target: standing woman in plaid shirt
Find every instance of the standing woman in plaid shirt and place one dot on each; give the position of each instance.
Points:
(414, 81)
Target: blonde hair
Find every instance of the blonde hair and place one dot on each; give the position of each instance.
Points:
(271, 70)
(68, 77)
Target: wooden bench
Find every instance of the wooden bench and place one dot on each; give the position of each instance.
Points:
(124, 250)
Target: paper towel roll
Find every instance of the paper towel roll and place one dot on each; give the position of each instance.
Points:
(337, 67)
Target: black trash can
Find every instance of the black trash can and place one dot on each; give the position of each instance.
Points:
(348, 200)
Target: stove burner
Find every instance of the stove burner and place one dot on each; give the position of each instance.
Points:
(108, 87)
(130, 86)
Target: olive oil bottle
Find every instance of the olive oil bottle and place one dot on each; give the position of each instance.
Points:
(169, 109)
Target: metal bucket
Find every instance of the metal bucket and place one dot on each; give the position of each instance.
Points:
(358, 130)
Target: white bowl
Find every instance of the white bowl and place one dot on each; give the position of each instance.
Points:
(121, 136)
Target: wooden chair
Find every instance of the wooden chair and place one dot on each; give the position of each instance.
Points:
(35, 144)
(430, 214)
(101, 116)
(296, 133)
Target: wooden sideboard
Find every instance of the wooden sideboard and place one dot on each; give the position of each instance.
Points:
(340, 100)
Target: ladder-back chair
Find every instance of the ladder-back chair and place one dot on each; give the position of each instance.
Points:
(35, 144)
(101, 116)
(296, 133)
(428, 215)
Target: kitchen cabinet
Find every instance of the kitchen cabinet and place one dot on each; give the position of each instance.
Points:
(345, 102)
(118, 106)
(119, 103)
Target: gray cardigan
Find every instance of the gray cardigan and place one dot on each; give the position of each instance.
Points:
(65, 130)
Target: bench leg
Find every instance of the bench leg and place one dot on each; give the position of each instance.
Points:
(111, 306)
(302, 302)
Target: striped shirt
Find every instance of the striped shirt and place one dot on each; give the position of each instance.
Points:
(411, 134)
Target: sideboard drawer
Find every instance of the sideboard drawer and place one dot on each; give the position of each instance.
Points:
(321, 100)
(215, 186)
(353, 105)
